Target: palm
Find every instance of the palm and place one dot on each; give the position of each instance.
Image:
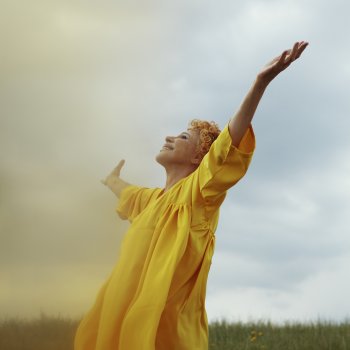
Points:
(281, 62)
(114, 175)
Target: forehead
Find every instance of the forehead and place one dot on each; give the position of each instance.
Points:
(191, 131)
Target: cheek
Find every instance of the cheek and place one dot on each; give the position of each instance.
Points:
(192, 152)
(194, 148)
(186, 150)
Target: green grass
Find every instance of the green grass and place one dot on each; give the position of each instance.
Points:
(55, 333)
(289, 336)
(44, 333)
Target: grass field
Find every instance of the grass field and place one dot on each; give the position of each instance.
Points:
(54, 333)
(290, 336)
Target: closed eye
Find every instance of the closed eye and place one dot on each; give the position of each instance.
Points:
(185, 136)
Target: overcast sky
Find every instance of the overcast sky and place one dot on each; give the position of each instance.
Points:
(86, 83)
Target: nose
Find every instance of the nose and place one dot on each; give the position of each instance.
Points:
(169, 139)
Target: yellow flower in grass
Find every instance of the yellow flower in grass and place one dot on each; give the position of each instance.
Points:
(254, 335)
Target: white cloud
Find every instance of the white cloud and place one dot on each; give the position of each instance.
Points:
(283, 253)
(322, 296)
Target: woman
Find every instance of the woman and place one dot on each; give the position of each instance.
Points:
(155, 296)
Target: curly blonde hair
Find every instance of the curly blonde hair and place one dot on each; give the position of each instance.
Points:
(208, 132)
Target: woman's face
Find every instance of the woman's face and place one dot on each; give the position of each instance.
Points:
(180, 149)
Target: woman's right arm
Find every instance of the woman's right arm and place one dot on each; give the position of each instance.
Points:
(114, 182)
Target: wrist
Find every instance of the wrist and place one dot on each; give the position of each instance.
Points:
(261, 81)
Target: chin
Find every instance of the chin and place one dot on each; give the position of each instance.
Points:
(160, 158)
(164, 158)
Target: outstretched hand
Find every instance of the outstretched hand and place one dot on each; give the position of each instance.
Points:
(281, 62)
(115, 174)
(113, 180)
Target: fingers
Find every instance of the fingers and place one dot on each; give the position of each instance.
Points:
(294, 52)
(117, 169)
(280, 63)
(297, 50)
(288, 56)
(115, 172)
(302, 47)
(283, 56)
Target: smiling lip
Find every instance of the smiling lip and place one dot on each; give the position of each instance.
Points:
(167, 147)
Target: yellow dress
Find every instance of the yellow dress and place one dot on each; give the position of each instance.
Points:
(155, 296)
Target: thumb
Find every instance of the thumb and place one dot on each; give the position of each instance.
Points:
(117, 169)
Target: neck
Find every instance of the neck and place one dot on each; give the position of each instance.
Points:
(175, 174)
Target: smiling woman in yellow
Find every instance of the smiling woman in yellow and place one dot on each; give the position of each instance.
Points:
(155, 296)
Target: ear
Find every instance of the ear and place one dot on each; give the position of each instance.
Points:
(196, 159)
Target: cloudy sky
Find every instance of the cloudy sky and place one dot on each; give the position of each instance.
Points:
(84, 84)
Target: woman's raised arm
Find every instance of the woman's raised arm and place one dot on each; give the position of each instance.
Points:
(243, 117)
